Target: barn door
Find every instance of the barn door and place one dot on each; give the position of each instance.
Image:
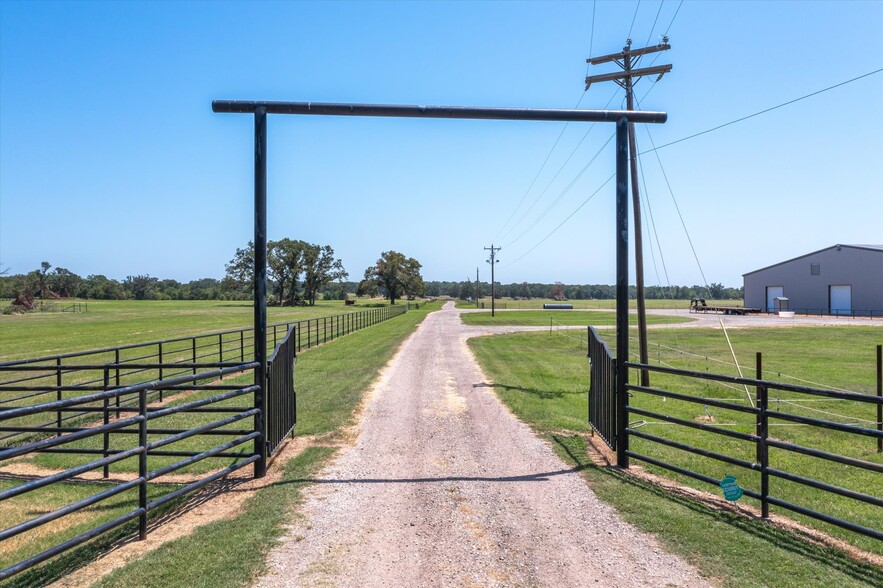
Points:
(772, 292)
(840, 299)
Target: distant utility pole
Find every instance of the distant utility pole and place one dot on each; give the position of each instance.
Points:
(627, 59)
(477, 287)
(492, 261)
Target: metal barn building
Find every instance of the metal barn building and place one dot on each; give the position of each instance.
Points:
(842, 279)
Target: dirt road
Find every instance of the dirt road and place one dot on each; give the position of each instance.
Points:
(444, 487)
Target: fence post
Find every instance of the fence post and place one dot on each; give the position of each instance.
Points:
(106, 403)
(58, 394)
(325, 328)
(142, 465)
(260, 288)
(762, 402)
(242, 346)
(758, 421)
(160, 369)
(221, 350)
(116, 357)
(880, 395)
(622, 294)
(193, 347)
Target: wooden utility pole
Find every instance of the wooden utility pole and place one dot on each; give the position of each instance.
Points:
(493, 262)
(627, 59)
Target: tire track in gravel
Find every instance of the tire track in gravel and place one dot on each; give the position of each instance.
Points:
(445, 487)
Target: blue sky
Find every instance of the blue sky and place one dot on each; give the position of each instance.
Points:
(111, 160)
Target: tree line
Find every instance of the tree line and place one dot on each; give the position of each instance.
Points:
(470, 289)
(298, 274)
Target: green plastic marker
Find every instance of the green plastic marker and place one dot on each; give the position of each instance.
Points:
(731, 489)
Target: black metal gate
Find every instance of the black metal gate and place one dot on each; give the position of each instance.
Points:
(281, 397)
(602, 388)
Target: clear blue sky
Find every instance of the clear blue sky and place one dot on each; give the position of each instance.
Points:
(111, 160)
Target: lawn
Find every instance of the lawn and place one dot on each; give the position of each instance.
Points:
(537, 303)
(560, 318)
(543, 377)
(110, 323)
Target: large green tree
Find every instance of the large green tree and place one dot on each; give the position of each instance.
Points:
(397, 275)
(320, 268)
(285, 262)
(239, 278)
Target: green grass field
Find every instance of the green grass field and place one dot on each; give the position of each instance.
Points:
(110, 323)
(543, 377)
(537, 303)
(558, 318)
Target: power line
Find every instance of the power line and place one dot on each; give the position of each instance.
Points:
(673, 17)
(578, 208)
(770, 109)
(542, 167)
(629, 36)
(555, 177)
(656, 148)
(650, 36)
(561, 134)
(563, 192)
(678, 209)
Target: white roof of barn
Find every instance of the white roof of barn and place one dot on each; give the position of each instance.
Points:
(868, 247)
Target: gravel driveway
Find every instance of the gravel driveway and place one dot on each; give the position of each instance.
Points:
(444, 487)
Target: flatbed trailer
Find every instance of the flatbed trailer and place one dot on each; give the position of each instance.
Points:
(698, 305)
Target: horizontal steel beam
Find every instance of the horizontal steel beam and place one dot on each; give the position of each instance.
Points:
(411, 111)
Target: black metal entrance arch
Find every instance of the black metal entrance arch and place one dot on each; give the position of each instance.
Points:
(260, 110)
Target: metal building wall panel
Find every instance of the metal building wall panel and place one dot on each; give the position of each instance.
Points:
(838, 265)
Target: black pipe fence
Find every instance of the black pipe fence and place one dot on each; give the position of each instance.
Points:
(142, 443)
(197, 418)
(753, 449)
(53, 378)
(281, 396)
(851, 313)
(602, 405)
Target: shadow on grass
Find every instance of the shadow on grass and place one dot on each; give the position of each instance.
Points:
(70, 561)
(792, 541)
(537, 477)
(543, 394)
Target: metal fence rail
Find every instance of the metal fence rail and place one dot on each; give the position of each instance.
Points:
(281, 397)
(602, 405)
(79, 407)
(135, 436)
(851, 313)
(763, 464)
(53, 378)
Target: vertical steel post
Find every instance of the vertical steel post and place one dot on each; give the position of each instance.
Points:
(762, 447)
(622, 292)
(758, 375)
(142, 465)
(880, 394)
(117, 378)
(106, 436)
(160, 369)
(58, 394)
(193, 353)
(260, 286)
(221, 349)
